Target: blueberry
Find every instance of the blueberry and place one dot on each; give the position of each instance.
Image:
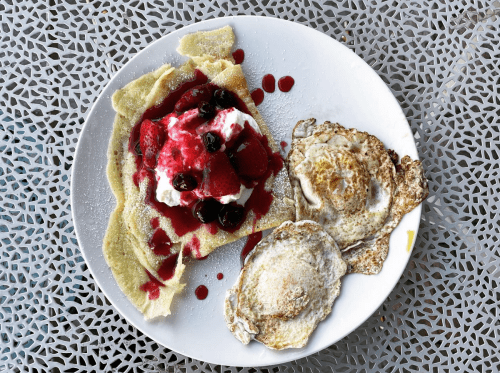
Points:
(184, 182)
(230, 216)
(206, 210)
(225, 98)
(206, 110)
(212, 141)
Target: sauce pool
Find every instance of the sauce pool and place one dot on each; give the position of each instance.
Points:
(239, 56)
(201, 292)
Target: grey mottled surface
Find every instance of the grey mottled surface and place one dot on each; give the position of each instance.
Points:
(440, 59)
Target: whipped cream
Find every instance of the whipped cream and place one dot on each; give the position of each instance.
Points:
(165, 191)
(228, 124)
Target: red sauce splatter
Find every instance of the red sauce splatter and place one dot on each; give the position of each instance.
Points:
(193, 246)
(269, 83)
(211, 228)
(283, 145)
(239, 56)
(252, 240)
(220, 276)
(201, 292)
(155, 223)
(286, 83)
(167, 268)
(160, 242)
(257, 96)
(152, 287)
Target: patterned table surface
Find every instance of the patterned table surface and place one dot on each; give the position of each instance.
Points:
(439, 58)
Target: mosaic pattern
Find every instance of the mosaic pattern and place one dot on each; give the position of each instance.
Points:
(440, 59)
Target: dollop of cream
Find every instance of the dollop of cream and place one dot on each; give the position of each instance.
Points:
(228, 123)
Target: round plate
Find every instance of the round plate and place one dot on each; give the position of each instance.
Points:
(331, 83)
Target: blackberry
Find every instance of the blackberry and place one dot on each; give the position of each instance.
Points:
(212, 141)
(207, 210)
(206, 110)
(230, 216)
(184, 182)
(224, 98)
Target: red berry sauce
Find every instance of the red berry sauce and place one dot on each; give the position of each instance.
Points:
(160, 242)
(152, 287)
(220, 276)
(252, 240)
(283, 145)
(167, 267)
(257, 96)
(201, 292)
(155, 223)
(239, 56)
(286, 83)
(269, 83)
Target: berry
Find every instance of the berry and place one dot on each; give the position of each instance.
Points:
(151, 142)
(219, 177)
(191, 98)
(224, 98)
(230, 216)
(207, 210)
(212, 141)
(249, 158)
(205, 110)
(184, 182)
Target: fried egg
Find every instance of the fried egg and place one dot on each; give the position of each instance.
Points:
(346, 181)
(286, 287)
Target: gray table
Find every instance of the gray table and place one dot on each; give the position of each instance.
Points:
(440, 59)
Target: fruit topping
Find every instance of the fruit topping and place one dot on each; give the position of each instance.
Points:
(224, 98)
(212, 141)
(184, 182)
(191, 98)
(151, 141)
(249, 157)
(206, 211)
(219, 177)
(230, 216)
(205, 110)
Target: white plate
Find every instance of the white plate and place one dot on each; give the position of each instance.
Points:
(331, 83)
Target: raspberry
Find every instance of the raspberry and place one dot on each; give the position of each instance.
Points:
(151, 142)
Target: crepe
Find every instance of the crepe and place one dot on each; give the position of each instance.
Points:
(126, 245)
